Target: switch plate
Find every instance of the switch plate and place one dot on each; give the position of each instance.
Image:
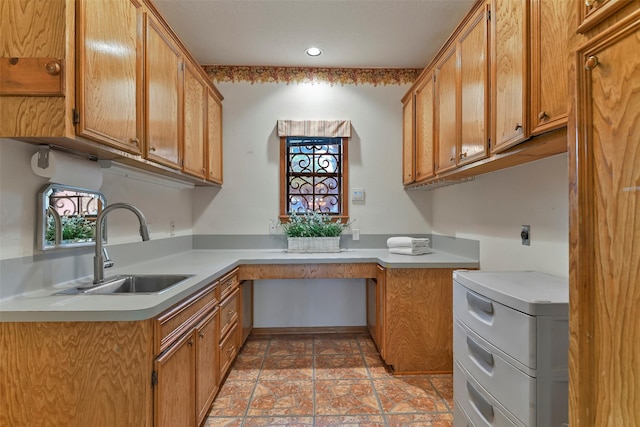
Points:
(357, 195)
(525, 235)
(355, 234)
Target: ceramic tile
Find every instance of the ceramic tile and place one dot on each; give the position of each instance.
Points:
(278, 421)
(367, 345)
(245, 368)
(287, 368)
(444, 386)
(340, 366)
(223, 422)
(376, 366)
(438, 419)
(290, 345)
(256, 345)
(336, 344)
(408, 394)
(274, 398)
(345, 397)
(350, 421)
(233, 398)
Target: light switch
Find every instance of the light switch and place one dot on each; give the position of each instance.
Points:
(357, 195)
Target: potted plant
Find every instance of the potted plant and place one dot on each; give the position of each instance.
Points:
(313, 232)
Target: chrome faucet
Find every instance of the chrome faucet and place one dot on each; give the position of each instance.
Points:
(98, 259)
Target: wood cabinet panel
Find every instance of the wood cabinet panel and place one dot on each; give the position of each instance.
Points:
(424, 132)
(109, 72)
(214, 138)
(418, 320)
(76, 373)
(473, 51)
(447, 111)
(307, 271)
(207, 369)
(246, 311)
(605, 228)
(228, 350)
(551, 54)
(408, 139)
(176, 384)
(509, 73)
(163, 88)
(194, 122)
(228, 313)
(594, 12)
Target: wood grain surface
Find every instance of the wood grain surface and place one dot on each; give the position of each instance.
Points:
(194, 118)
(307, 271)
(214, 138)
(425, 129)
(76, 374)
(408, 139)
(447, 112)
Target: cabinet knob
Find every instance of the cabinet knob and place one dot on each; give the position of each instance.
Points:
(452, 159)
(53, 68)
(135, 141)
(201, 334)
(518, 126)
(542, 115)
(591, 62)
(463, 155)
(590, 3)
(190, 343)
(152, 148)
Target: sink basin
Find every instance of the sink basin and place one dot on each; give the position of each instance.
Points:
(135, 284)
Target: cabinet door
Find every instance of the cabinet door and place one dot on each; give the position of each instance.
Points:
(408, 138)
(372, 312)
(176, 385)
(474, 87)
(447, 111)
(424, 129)
(550, 57)
(194, 119)
(605, 231)
(109, 72)
(594, 12)
(214, 137)
(163, 96)
(207, 380)
(509, 73)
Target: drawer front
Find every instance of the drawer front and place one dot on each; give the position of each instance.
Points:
(228, 350)
(510, 330)
(514, 389)
(171, 324)
(460, 417)
(228, 283)
(480, 408)
(228, 313)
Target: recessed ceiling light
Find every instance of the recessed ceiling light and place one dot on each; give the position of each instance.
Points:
(313, 51)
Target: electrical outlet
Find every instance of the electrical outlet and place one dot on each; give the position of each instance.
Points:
(355, 234)
(172, 228)
(525, 235)
(273, 227)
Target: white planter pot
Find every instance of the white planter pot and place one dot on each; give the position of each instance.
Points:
(313, 244)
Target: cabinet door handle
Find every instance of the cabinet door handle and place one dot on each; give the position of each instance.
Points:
(190, 343)
(152, 148)
(483, 304)
(484, 408)
(201, 334)
(542, 115)
(452, 159)
(135, 141)
(518, 126)
(480, 351)
(591, 62)
(463, 155)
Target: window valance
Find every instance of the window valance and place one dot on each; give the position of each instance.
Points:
(321, 128)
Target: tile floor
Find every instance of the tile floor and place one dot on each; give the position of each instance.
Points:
(326, 380)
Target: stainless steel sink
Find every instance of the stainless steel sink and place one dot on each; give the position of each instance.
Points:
(134, 284)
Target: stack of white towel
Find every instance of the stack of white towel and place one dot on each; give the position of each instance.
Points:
(408, 245)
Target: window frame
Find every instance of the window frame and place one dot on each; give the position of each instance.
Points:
(344, 179)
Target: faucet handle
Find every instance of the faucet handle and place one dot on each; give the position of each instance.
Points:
(107, 263)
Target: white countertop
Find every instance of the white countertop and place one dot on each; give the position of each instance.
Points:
(205, 265)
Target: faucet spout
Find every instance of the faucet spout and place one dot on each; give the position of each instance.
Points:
(98, 259)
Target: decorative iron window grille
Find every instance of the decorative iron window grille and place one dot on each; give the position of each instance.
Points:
(314, 175)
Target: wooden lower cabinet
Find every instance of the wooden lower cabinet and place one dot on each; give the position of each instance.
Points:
(229, 330)
(416, 322)
(207, 378)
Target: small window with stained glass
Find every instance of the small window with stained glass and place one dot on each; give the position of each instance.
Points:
(315, 175)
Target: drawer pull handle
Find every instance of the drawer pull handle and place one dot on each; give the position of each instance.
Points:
(484, 408)
(480, 303)
(480, 351)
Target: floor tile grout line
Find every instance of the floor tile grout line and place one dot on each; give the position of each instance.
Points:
(255, 385)
(373, 386)
(446, 404)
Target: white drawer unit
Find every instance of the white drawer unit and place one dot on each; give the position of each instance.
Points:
(510, 345)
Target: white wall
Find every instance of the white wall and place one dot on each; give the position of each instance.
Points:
(18, 194)
(492, 209)
(250, 195)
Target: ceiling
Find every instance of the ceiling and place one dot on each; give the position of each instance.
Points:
(351, 33)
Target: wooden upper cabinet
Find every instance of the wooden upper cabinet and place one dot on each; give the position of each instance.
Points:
(509, 32)
(214, 137)
(473, 52)
(424, 127)
(194, 122)
(109, 73)
(593, 12)
(408, 139)
(447, 111)
(163, 88)
(550, 58)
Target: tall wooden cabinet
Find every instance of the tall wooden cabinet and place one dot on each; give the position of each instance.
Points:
(408, 139)
(194, 123)
(213, 145)
(424, 128)
(109, 51)
(605, 225)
